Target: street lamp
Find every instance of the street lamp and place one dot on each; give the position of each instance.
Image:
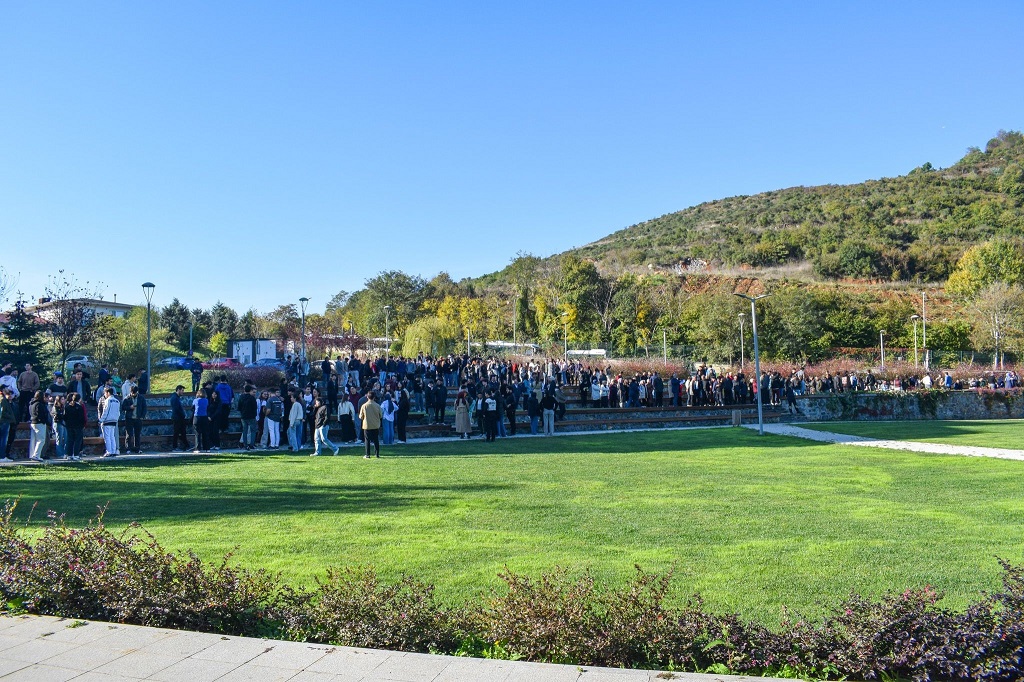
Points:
(924, 331)
(387, 338)
(303, 302)
(757, 357)
(664, 345)
(565, 334)
(881, 345)
(147, 289)
(742, 342)
(914, 319)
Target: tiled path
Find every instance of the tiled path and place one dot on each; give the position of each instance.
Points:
(41, 648)
(913, 446)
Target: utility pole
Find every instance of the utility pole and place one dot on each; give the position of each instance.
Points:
(757, 358)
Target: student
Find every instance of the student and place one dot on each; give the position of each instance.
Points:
(108, 418)
(201, 421)
(132, 423)
(388, 410)
(248, 409)
(295, 419)
(275, 413)
(178, 419)
(321, 422)
(8, 422)
(346, 417)
(39, 423)
(74, 422)
(370, 416)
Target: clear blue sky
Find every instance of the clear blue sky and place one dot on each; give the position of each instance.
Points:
(257, 152)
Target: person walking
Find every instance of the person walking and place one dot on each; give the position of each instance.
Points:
(370, 417)
(108, 418)
(321, 422)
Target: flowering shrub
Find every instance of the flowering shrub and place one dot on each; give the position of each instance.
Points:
(129, 578)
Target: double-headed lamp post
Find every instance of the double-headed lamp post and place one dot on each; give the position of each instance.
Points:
(881, 345)
(914, 319)
(387, 333)
(147, 289)
(303, 302)
(757, 358)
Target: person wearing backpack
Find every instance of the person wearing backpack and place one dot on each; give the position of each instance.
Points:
(275, 413)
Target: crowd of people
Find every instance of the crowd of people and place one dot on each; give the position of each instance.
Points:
(370, 400)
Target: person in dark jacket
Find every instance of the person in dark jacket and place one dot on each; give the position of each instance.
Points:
(402, 415)
(533, 411)
(74, 422)
(213, 414)
(247, 411)
(440, 402)
(321, 425)
(178, 419)
(39, 423)
(132, 422)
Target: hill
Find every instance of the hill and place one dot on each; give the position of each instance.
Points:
(911, 227)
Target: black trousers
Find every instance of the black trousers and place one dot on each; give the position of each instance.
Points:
(178, 432)
(201, 426)
(491, 423)
(401, 419)
(132, 435)
(371, 436)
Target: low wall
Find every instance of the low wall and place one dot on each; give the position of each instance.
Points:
(862, 406)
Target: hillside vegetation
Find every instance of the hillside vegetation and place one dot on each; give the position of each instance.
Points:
(912, 227)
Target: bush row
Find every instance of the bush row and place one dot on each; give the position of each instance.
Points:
(128, 577)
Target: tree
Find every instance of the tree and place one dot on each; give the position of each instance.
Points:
(337, 302)
(219, 344)
(69, 314)
(999, 260)
(6, 285)
(404, 293)
(176, 319)
(22, 340)
(223, 319)
(999, 308)
(285, 323)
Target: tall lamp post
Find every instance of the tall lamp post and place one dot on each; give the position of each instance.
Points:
(757, 358)
(742, 340)
(881, 345)
(147, 289)
(303, 302)
(565, 334)
(914, 319)
(387, 333)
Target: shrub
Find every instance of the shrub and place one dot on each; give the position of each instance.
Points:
(261, 377)
(354, 608)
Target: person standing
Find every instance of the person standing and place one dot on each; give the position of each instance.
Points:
(247, 410)
(346, 417)
(295, 419)
(388, 410)
(201, 421)
(213, 412)
(547, 406)
(440, 401)
(370, 417)
(132, 423)
(272, 423)
(196, 370)
(321, 422)
(402, 414)
(178, 420)
(39, 424)
(74, 422)
(8, 422)
(491, 416)
(463, 426)
(28, 384)
(108, 418)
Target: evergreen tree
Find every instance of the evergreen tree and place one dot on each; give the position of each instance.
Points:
(176, 319)
(22, 340)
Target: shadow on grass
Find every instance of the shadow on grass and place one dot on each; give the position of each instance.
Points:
(145, 501)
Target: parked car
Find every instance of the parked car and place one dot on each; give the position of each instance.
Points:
(273, 363)
(175, 361)
(222, 363)
(84, 360)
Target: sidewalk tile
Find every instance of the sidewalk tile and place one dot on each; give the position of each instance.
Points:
(81, 634)
(9, 665)
(257, 673)
(139, 664)
(130, 637)
(307, 676)
(353, 662)
(37, 650)
(520, 671)
(182, 644)
(194, 670)
(410, 668)
(103, 677)
(42, 673)
(235, 650)
(84, 658)
(8, 641)
(291, 656)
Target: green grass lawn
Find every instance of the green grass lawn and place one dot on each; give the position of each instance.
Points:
(753, 523)
(991, 434)
(164, 381)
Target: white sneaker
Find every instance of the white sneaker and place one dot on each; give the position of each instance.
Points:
(5, 460)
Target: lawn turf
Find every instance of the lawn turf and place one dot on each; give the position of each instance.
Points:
(1004, 433)
(752, 523)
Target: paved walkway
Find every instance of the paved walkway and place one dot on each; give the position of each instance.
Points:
(385, 450)
(912, 446)
(42, 648)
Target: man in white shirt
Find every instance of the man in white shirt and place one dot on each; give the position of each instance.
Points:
(109, 415)
(126, 387)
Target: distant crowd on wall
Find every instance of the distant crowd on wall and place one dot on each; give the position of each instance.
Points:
(371, 399)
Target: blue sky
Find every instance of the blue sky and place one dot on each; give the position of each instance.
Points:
(258, 152)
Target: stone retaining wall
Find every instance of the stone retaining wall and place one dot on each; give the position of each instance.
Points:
(860, 406)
